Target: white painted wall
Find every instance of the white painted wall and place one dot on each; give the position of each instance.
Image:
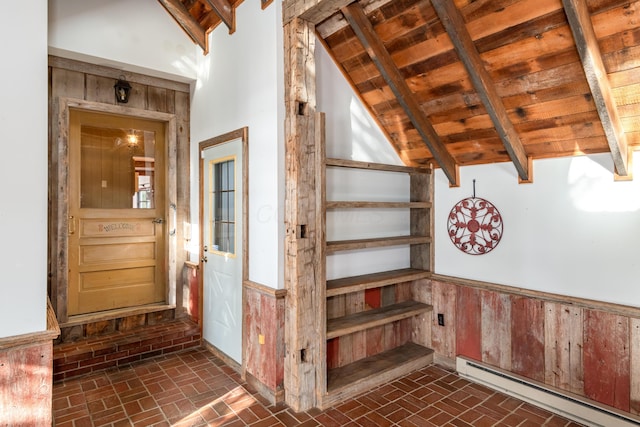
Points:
(23, 169)
(240, 83)
(138, 36)
(574, 231)
(352, 134)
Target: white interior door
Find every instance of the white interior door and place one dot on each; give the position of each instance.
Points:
(223, 245)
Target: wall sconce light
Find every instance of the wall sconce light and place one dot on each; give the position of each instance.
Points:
(122, 88)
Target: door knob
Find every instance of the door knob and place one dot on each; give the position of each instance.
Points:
(157, 220)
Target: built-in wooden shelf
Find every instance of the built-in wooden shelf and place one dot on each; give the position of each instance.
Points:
(374, 166)
(347, 285)
(375, 370)
(378, 205)
(347, 245)
(376, 317)
(400, 347)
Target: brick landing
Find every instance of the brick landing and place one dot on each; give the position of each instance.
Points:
(123, 347)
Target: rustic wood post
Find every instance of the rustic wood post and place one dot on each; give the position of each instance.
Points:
(302, 317)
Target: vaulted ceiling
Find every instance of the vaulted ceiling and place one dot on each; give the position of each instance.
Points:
(455, 83)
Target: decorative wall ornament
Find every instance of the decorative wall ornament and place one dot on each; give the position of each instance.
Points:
(475, 225)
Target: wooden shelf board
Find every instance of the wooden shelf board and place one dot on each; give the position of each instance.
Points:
(373, 371)
(377, 205)
(374, 166)
(376, 317)
(346, 245)
(347, 285)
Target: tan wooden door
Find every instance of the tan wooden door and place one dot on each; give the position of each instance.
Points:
(116, 212)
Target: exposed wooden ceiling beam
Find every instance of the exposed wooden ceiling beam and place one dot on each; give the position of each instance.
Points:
(587, 44)
(314, 11)
(380, 56)
(337, 22)
(455, 26)
(192, 27)
(225, 11)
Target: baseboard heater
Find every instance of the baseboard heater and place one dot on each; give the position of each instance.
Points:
(569, 406)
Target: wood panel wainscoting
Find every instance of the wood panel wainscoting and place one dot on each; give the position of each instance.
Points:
(26, 377)
(263, 339)
(581, 347)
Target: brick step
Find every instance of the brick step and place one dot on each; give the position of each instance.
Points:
(118, 348)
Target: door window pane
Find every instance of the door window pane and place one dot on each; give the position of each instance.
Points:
(117, 168)
(223, 197)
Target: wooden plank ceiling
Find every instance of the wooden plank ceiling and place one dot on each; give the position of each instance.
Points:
(464, 82)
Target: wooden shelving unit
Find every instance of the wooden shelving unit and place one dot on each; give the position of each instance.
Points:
(377, 325)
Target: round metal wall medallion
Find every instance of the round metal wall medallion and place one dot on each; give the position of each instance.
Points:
(475, 226)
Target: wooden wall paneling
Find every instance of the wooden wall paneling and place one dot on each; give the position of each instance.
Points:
(527, 337)
(269, 332)
(468, 322)
(157, 98)
(355, 347)
(138, 97)
(336, 307)
(252, 348)
(634, 367)
(496, 329)
(607, 359)
(100, 89)
(403, 292)
(64, 83)
(263, 349)
(388, 295)
(372, 298)
(374, 338)
(67, 83)
(390, 337)
(444, 337)
(563, 347)
(178, 104)
(421, 327)
(333, 353)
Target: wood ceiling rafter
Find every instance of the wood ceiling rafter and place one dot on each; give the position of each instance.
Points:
(455, 26)
(199, 17)
(225, 11)
(188, 23)
(594, 69)
(365, 32)
(313, 11)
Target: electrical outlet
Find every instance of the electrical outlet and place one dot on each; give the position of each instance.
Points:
(440, 319)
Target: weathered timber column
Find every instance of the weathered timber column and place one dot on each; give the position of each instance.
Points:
(302, 314)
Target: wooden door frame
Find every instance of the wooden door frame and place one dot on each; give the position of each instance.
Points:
(242, 134)
(60, 166)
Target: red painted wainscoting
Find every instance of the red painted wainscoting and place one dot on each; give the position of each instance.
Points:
(585, 347)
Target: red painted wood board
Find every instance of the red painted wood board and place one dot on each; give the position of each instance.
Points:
(372, 298)
(606, 359)
(496, 329)
(635, 365)
(468, 322)
(527, 337)
(333, 353)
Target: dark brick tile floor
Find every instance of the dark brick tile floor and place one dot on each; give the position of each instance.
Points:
(195, 388)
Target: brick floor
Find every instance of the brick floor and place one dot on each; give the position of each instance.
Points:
(194, 388)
